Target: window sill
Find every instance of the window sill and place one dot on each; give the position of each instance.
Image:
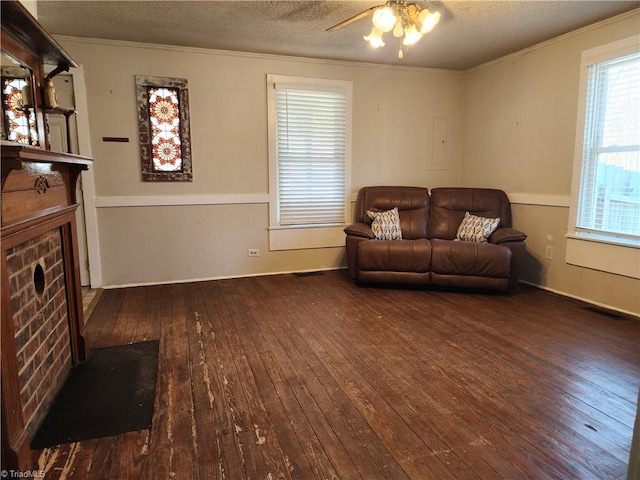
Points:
(620, 257)
(298, 238)
(607, 239)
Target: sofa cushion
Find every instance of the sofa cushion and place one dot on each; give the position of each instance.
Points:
(448, 206)
(386, 225)
(476, 229)
(394, 255)
(412, 204)
(470, 258)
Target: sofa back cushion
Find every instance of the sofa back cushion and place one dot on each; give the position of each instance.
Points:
(448, 206)
(412, 204)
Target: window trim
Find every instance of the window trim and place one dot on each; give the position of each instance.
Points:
(610, 253)
(149, 174)
(292, 237)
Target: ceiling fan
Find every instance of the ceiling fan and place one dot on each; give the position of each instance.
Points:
(406, 20)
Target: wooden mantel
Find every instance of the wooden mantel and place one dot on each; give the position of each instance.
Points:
(36, 182)
(26, 30)
(41, 288)
(42, 324)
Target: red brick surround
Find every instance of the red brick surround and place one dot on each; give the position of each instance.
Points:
(41, 324)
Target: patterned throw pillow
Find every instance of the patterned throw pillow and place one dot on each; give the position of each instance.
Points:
(386, 225)
(476, 229)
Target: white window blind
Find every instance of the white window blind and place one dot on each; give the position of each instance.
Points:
(609, 198)
(311, 155)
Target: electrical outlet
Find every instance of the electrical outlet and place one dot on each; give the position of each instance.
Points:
(548, 254)
(253, 252)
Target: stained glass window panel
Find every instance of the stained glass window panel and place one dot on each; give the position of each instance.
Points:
(20, 121)
(164, 115)
(164, 129)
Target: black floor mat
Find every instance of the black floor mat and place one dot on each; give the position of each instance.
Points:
(111, 393)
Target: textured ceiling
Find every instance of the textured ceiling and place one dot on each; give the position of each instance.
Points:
(470, 32)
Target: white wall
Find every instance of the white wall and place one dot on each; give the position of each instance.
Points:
(519, 131)
(32, 6)
(519, 128)
(162, 232)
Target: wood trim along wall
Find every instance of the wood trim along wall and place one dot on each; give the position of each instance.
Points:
(263, 198)
(175, 200)
(541, 200)
(260, 56)
(88, 184)
(220, 277)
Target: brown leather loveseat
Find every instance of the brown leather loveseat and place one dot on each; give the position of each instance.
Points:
(428, 253)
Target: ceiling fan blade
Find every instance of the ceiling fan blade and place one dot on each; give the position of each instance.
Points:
(355, 18)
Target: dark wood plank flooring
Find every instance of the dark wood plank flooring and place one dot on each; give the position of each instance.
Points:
(312, 377)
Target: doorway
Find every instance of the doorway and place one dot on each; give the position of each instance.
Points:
(59, 142)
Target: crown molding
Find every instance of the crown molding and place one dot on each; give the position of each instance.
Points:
(560, 38)
(262, 56)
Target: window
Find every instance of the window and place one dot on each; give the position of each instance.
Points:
(606, 193)
(309, 158)
(163, 124)
(609, 199)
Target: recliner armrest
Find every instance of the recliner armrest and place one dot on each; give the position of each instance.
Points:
(359, 230)
(505, 235)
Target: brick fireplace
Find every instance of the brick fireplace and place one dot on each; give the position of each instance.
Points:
(40, 320)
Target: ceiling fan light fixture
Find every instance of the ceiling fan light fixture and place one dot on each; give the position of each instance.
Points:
(384, 19)
(411, 35)
(398, 30)
(408, 22)
(375, 38)
(424, 13)
(429, 21)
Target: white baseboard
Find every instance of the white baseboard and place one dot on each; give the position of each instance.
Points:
(227, 277)
(222, 277)
(585, 300)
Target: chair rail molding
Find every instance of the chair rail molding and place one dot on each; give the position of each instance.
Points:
(540, 199)
(185, 200)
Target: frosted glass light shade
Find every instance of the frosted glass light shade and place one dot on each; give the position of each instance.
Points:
(375, 38)
(408, 21)
(398, 31)
(384, 19)
(411, 35)
(430, 20)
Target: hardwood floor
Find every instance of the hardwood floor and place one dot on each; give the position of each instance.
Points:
(312, 377)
